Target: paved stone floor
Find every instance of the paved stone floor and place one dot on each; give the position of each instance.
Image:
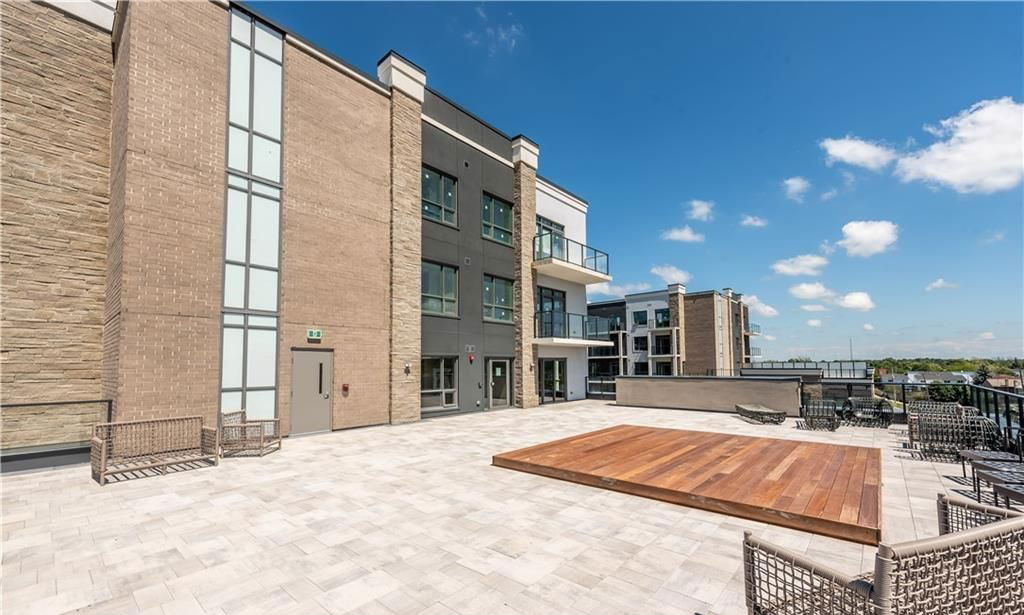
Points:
(412, 519)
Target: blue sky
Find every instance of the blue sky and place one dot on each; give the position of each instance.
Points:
(900, 123)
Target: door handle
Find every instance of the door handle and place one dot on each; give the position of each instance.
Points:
(327, 395)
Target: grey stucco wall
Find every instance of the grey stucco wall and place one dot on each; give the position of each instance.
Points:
(716, 394)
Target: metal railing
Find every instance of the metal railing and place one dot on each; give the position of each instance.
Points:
(40, 428)
(601, 387)
(559, 247)
(753, 328)
(829, 369)
(755, 352)
(550, 323)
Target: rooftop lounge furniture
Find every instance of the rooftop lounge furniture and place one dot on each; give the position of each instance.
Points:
(761, 414)
(240, 435)
(1009, 492)
(821, 414)
(973, 567)
(873, 411)
(137, 446)
(949, 434)
(917, 409)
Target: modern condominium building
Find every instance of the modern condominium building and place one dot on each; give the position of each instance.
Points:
(673, 332)
(203, 211)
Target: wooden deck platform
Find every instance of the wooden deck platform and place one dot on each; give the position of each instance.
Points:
(822, 488)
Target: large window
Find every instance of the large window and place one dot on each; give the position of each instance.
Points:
(640, 343)
(640, 369)
(662, 317)
(439, 383)
(254, 106)
(498, 299)
(662, 344)
(439, 197)
(640, 318)
(545, 225)
(440, 289)
(497, 215)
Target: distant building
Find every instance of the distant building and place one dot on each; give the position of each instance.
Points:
(928, 378)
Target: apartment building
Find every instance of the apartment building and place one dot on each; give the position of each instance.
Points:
(203, 211)
(672, 332)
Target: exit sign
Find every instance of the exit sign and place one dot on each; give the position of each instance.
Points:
(314, 335)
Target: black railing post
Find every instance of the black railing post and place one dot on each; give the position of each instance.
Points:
(110, 410)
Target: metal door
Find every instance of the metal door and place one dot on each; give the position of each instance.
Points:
(312, 381)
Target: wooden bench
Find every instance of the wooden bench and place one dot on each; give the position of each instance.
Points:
(761, 414)
(154, 444)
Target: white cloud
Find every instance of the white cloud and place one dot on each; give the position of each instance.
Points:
(869, 327)
(670, 274)
(769, 338)
(858, 152)
(796, 187)
(753, 221)
(701, 210)
(995, 237)
(813, 307)
(849, 179)
(814, 323)
(939, 283)
(868, 237)
(987, 335)
(811, 291)
(982, 150)
(805, 264)
(828, 195)
(495, 34)
(857, 300)
(604, 289)
(684, 233)
(760, 307)
(826, 247)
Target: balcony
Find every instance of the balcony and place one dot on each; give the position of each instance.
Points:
(753, 329)
(755, 352)
(559, 257)
(573, 330)
(660, 321)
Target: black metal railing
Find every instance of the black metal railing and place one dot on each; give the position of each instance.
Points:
(565, 325)
(829, 369)
(560, 247)
(45, 427)
(601, 387)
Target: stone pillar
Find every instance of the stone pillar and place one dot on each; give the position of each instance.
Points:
(407, 83)
(525, 154)
(677, 320)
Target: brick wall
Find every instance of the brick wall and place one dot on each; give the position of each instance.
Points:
(522, 242)
(699, 336)
(335, 233)
(55, 171)
(166, 325)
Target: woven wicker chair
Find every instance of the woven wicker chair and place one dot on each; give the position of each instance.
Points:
(943, 434)
(917, 409)
(240, 435)
(821, 414)
(138, 447)
(868, 410)
(973, 567)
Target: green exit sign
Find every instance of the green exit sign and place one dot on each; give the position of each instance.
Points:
(314, 335)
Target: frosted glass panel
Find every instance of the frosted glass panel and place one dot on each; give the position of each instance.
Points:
(238, 182)
(238, 149)
(231, 402)
(261, 358)
(263, 241)
(267, 190)
(268, 41)
(234, 286)
(234, 319)
(262, 290)
(239, 107)
(262, 321)
(240, 27)
(234, 248)
(231, 359)
(260, 404)
(267, 98)
(266, 158)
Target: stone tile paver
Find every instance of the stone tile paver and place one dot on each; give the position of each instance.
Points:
(410, 519)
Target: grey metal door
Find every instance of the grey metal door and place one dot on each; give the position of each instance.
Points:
(311, 391)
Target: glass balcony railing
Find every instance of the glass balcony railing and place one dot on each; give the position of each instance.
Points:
(753, 328)
(559, 247)
(570, 326)
(755, 352)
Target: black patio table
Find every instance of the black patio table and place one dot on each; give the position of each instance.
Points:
(1009, 491)
(997, 477)
(984, 455)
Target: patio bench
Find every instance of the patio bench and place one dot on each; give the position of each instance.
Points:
(154, 444)
(973, 567)
(874, 411)
(761, 414)
(821, 414)
(240, 435)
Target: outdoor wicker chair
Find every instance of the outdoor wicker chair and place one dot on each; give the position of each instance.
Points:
(821, 414)
(951, 434)
(916, 409)
(868, 411)
(240, 435)
(973, 567)
(138, 448)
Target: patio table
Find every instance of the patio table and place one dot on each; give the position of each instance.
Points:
(1009, 491)
(983, 455)
(997, 477)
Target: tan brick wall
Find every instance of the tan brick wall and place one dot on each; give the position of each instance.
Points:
(406, 256)
(168, 341)
(55, 173)
(335, 234)
(701, 345)
(522, 242)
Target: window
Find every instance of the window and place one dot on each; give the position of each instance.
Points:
(497, 299)
(663, 368)
(640, 343)
(640, 318)
(440, 290)
(662, 344)
(439, 201)
(640, 369)
(551, 319)
(661, 318)
(497, 220)
(549, 226)
(438, 378)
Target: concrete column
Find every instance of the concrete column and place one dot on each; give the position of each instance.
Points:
(407, 83)
(525, 154)
(677, 320)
